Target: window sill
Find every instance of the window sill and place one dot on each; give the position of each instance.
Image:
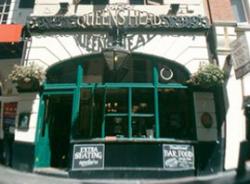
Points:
(243, 26)
(133, 140)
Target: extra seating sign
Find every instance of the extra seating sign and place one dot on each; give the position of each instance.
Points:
(88, 156)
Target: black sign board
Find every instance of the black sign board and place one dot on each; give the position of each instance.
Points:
(62, 23)
(117, 16)
(88, 156)
(178, 157)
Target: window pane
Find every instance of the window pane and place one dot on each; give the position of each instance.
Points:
(7, 9)
(85, 2)
(116, 126)
(97, 2)
(0, 106)
(93, 71)
(117, 101)
(5, 17)
(90, 114)
(102, 2)
(143, 127)
(116, 122)
(143, 101)
(142, 71)
(154, 2)
(174, 110)
(62, 74)
(136, 1)
(26, 3)
(83, 126)
(238, 10)
(98, 110)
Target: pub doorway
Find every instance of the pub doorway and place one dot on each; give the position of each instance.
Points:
(54, 142)
(59, 129)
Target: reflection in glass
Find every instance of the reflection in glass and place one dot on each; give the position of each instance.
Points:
(175, 114)
(116, 101)
(143, 127)
(117, 126)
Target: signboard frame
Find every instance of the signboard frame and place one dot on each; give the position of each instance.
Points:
(74, 168)
(240, 56)
(9, 114)
(176, 160)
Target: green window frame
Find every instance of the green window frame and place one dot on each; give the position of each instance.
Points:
(79, 85)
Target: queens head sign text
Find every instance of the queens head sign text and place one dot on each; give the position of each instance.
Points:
(118, 17)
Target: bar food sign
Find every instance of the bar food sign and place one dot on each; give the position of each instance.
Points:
(88, 156)
(178, 157)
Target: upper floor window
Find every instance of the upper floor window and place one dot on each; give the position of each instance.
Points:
(4, 10)
(240, 9)
(146, 2)
(26, 3)
(97, 2)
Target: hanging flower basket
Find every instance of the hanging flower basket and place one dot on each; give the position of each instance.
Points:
(27, 78)
(207, 76)
(30, 86)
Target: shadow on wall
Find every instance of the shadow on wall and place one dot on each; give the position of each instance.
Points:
(227, 68)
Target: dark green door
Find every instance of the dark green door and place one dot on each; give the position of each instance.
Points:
(52, 143)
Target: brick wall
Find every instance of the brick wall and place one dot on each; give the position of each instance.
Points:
(220, 10)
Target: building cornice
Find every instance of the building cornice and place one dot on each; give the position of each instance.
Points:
(223, 23)
(242, 27)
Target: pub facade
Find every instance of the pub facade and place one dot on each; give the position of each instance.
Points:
(117, 101)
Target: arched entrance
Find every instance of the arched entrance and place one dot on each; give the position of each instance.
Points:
(143, 99)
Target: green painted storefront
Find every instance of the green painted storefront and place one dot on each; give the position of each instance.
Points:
(132, 113)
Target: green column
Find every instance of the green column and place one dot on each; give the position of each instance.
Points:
(76, 99)
(156, 104)
(130, 113)
(92, 110)
(104, 112)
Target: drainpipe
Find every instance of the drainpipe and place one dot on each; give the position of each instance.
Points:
(212, 33)
(209, 11)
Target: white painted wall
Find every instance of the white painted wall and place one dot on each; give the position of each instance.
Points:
(187, 49)
(187, 7)
(28, 102)
(235, 121)
(246, 78)
(233, 98)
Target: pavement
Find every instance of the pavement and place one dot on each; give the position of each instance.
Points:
(11, 176)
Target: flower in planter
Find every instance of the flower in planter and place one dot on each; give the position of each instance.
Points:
(27, 75)
(208, 76)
